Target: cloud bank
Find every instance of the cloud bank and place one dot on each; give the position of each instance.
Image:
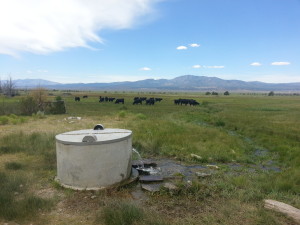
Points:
(145, 69)
(255, 64)
(182, 47)
(280, 63)
(47, 26)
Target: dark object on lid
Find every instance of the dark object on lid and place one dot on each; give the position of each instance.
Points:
(99, 127)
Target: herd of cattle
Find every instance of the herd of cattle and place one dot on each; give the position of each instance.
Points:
(140, 100)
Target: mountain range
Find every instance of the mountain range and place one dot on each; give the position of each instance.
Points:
(181, 83)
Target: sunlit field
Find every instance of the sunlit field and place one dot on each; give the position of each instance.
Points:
(254, 140)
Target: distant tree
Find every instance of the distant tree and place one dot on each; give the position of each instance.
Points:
(207, 93)
(226, 93)
(214, 93)
(9, 87)
(271, 93)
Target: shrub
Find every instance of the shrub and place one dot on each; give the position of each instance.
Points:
(141, 116)
(122, 114)
(28, 105)
(57, 107)
(4, 120)
(58, 98)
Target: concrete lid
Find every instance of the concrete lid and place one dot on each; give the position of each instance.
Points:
(105, 136)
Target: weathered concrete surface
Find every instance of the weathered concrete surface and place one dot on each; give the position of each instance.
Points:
(93, 165)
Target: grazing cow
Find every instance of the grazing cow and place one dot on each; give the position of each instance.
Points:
(177, 101)
(101, 99)
(106, 98)
(137, 101)
(77, 99)
(194, 102)
(85, 96)
(119, 100)
(111, 99)
(150, 101)
(158, 99)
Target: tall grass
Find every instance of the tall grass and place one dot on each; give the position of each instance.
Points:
(38, 144)
(15, 202)
(126, 213)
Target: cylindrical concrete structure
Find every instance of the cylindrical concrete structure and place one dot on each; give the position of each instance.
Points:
(93, 159)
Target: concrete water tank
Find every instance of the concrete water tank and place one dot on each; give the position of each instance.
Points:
(93, 159)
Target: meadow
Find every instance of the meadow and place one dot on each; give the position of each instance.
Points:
(253, 139)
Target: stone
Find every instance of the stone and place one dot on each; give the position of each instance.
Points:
(194, 156)
(200, 174)
(286, 209)
(151, 178)
(93, 196)
(151, 187)
(213, 166)
(170, 186)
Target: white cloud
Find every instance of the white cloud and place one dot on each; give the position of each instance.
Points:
(280, 63)
(214, 67)
(196, 66)
(255, 64)
(181, 47)
(145, 69)
(45, 26)
(195, 45)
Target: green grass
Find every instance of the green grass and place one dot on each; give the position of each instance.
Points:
(222, 130)
(14, 166)
(126, 213)
(15, 203)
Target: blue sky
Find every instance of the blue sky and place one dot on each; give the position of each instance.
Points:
(73, 41)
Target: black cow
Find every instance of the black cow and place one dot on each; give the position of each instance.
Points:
(119, 100)
(158, 99)
(77, 99)
(101, 99)
(111, 99)
(137, 101)
(150, 101)
(194, 102)
(85, 96)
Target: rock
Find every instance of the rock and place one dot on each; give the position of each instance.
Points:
(93, 196)
(286, 209)
(194, 156)
(200, 174)
(151, 178)
(170, 186)
(213, 166)
(151, 187)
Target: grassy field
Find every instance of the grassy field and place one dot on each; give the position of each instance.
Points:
(259, 134)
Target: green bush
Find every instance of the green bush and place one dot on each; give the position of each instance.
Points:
(28, 105)
(122, 114)
(57, 107)
(4, 120)
(141, 116)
